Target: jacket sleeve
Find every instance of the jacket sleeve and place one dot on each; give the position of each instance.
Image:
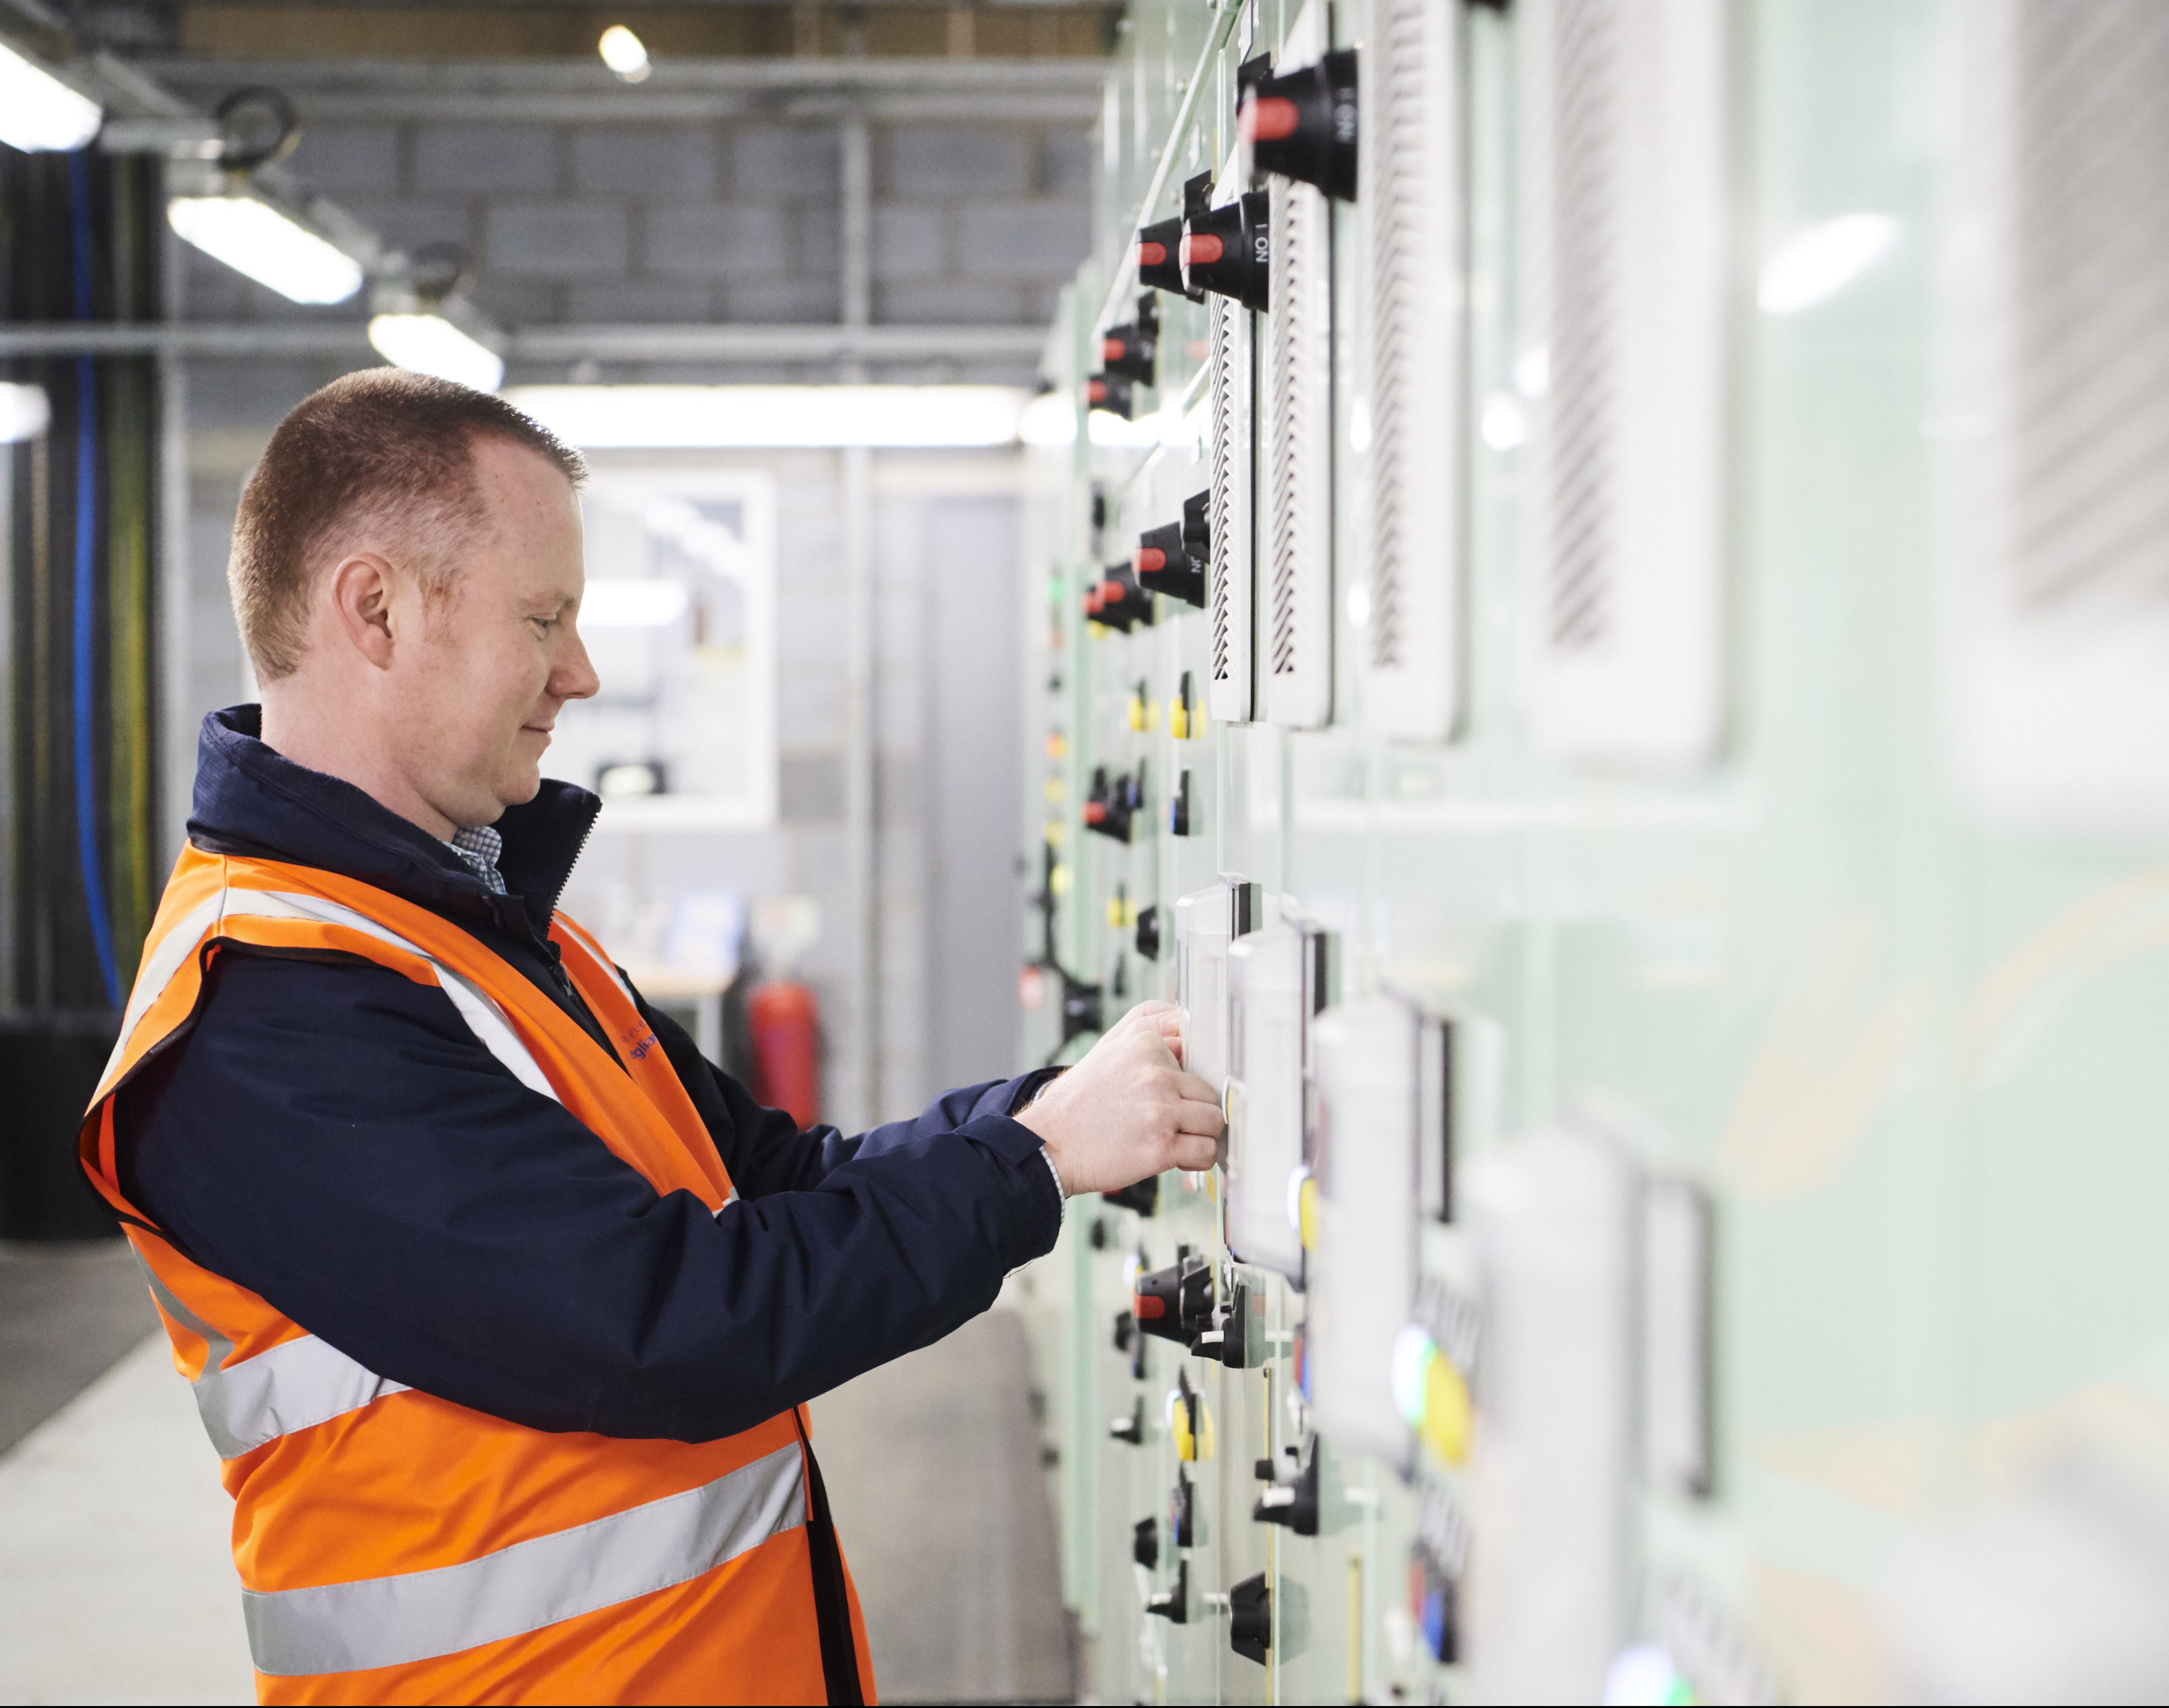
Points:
(333, 1138)
(764, 1148)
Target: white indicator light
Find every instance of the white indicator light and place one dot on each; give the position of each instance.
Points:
(428, 344)
(38, 112)
(1822, 260)
(255, 238)
(624, 53)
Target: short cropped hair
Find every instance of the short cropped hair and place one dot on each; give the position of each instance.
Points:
(383, 446)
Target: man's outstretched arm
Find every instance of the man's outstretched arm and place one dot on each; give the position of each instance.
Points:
(333, 1138)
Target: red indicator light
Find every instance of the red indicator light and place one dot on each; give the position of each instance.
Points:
(1202, 249)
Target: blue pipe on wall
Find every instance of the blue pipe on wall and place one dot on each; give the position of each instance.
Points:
(85, 561)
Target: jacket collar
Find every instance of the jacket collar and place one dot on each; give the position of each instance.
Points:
(251, 800)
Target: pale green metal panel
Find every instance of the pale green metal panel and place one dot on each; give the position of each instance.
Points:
(1909, 1050)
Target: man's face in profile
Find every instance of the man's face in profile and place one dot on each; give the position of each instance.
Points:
(501, 652)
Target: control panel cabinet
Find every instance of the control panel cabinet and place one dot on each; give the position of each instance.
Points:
(1584, 660)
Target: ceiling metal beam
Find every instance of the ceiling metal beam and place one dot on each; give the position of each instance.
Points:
(555, 91)
(546, 344)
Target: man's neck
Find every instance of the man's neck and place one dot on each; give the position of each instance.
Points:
(302, 730)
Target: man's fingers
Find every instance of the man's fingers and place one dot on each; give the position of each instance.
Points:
(1194, 1152)
(1191, 1088)
(1191, 1116)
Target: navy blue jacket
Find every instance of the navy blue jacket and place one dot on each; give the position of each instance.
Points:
(331, 1135)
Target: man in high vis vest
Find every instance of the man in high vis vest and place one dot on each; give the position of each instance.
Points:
(500, 1305)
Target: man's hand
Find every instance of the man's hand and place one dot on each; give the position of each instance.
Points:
(1127, 1110)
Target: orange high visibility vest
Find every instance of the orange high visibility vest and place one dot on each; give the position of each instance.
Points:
(394, 1547)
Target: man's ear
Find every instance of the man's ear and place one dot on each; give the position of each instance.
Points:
(361, 587)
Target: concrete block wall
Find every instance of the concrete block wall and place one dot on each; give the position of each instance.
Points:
(950, 896)
(975, 222)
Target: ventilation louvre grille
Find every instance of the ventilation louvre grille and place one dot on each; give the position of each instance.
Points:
(1585, 328)
(2066, 441)
(1228, 696)
(1409, 201)
(1625, 155)
(1298, 676)
(2087, 341)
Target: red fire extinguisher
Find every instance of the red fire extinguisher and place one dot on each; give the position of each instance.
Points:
(785, 1019)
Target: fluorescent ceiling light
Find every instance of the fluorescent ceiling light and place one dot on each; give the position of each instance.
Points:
(751, 417)
(428, 344)
(253, 237)
(25, 412)
(1051, 419)
(1822, 260)
(624, 53)
(632, 605)
(38, 112)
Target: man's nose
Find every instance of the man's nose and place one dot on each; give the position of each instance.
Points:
(575, 678)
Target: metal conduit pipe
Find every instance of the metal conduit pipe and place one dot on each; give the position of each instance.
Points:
(862, 827)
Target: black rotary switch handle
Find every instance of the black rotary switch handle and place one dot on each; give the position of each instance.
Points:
(1129, 351)
(1117, 600)
(1227, 1338)
(1131, 1428)
(1144, 1543)
(1182, 1511)
(1110, 392)
(1303, 124)
(1143, 1197)
(1197, 527)
(1175, 1605)
(1175, 1303)
(1250, 1618)
(1159, 245)
(1292, 1497)
(1160, 255)
(1228, 250)
(1165, 565)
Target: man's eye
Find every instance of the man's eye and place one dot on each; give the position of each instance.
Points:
(545, 624)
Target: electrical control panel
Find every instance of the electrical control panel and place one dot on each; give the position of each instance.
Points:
(1523, 683)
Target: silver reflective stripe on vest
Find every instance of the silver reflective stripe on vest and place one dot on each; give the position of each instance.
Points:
(484, 1016)
(158, 968)
(418, 1615)
(295, 1385)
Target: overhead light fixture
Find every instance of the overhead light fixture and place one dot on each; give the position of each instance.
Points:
(39, 113)
(428, 344)
(1822, 260)
(624, 53)
(632, 604)
(273, 248)
(25, 412)
(774, 417)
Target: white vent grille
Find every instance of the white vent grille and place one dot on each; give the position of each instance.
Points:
(1228, 696)
(2067, 421)
(1410, 203)
(1625, 106)
(1298, 531)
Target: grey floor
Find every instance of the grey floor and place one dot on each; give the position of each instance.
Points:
(109, 1495)
(67, 1313)
(933, 1476)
